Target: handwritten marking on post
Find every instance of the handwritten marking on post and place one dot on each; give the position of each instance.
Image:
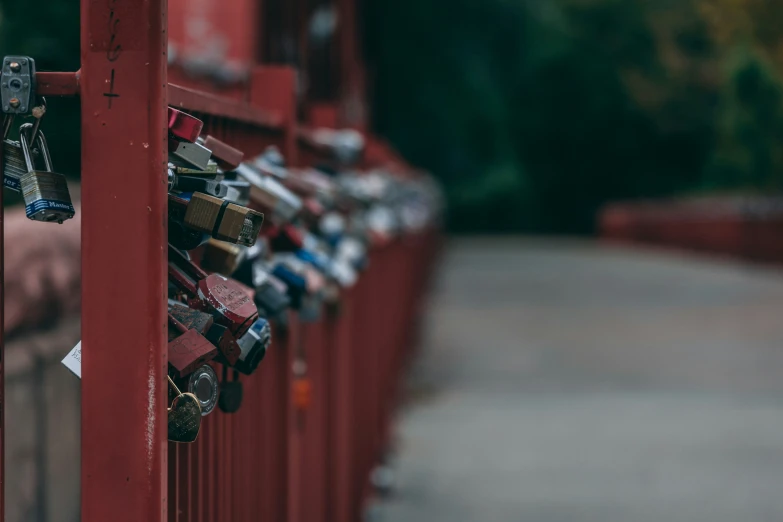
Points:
(111, 94)
(114, 50)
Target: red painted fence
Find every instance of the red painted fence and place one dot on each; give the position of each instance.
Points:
(301, 448)
(274, 461)
(742, 227)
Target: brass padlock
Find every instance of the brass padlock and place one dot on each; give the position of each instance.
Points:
(45, 192)
(223, 220)
(184, 416)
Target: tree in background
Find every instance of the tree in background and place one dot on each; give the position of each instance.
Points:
(747, 155)
(535, 113)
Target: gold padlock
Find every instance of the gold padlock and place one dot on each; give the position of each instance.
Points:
(184, 416)
(223, 220)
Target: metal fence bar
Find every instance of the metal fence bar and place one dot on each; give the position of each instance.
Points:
(123, 95)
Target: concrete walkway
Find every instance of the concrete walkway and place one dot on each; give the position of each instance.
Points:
(566, 381)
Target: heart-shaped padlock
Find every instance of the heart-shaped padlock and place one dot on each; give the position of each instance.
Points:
(184, 416)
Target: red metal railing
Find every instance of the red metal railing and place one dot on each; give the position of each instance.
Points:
(301, 448)
(275, 461)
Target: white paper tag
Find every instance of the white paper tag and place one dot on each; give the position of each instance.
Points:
(73, 361)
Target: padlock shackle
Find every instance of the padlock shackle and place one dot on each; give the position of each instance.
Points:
(8, 120)
(181, 327)
(41, 140)
(182, 280)
(180, 261)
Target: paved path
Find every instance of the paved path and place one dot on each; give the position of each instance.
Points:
(565, 381)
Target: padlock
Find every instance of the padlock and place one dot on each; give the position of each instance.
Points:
(179, 235)
(183, 126)
(268, 195)
(190, 318)
(203, 323)
(342, 272)
(227, 156)
(348, 146)
(316, 259)
(203, 384)
(271, 293)
(287, 238)
(270, 163)
(223, 220)
(238, 191)
(231, 393)
(184, 416)
(297, 183)
(352, 250)
(199, 184)
(344, 145)
(14, 166)
(45, 192)
(221, 337)
(228, 302)
(253, 346)
(184, 154)
(210, 172)
(296, 285)
(221, 257)
(332, 227)
(312, 211)
(189, 350)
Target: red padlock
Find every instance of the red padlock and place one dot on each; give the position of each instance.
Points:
(224, 298)
(288, 238)
(188, 351)
(227, 156)
(183, 126)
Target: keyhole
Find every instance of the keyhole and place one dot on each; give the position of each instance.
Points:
(203, 389)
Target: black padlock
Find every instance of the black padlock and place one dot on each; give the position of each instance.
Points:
(200, 184)
(270, 300)
(253, 345)
(231, 393)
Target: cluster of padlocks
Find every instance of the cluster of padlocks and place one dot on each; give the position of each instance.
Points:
(318, 224)
(27, 163)
(249, 239)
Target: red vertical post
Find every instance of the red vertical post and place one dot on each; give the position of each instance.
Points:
(341, 414)
(2, 352)
(124, 389)
(294, 424)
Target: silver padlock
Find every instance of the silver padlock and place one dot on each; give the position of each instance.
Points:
(14, 166)
(253, 345)
(265, 191)
(190, 155)
(45, 192)
(203, 383)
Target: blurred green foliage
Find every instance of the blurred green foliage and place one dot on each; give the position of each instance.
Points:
(534, 113)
